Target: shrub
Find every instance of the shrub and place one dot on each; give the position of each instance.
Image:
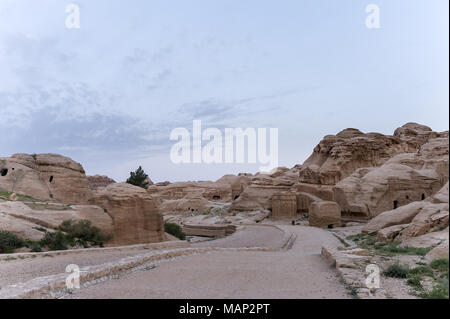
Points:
(84, 232)
(440, 264)
(440, 291)
(393, 249)
(414, 281)
(9, 242)
(56, 240)
(174, 230)
(396, 271)
(421, 271)
(138, 178)
(36, 247)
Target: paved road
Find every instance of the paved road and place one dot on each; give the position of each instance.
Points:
(21, 270)
(250, 236)
(296, 273)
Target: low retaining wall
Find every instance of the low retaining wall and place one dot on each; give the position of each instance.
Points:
(151, 246)
(209, 230)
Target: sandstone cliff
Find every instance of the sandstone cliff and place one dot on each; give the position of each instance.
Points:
(45, 177)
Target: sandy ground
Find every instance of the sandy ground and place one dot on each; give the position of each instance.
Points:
(296, 273)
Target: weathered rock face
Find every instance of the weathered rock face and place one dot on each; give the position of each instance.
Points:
(324, 214)
(337, 156)
(25, 221)
(45, 177)
(403, 179)
(430, 211)
(257, 195)
(99, 181)
(135, 215)
(190, 196)
(419, 224)
(284, 206)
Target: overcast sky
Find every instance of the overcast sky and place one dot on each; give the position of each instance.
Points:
(109, 93)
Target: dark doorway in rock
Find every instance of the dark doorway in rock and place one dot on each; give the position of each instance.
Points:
(4, 171)
(423, 196)
(330, 226)
(236, 197)
(216, 197)
(395, 204)
(50, 179)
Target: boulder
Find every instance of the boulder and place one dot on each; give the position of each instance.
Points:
(324, 214)
(426, 240)
(388, 234)
(440, 251)
(135, 215)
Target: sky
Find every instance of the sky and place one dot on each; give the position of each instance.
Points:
(109, 93)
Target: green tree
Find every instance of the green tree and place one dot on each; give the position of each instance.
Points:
(138, 178)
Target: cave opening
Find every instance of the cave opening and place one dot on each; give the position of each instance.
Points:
(395, 204)
(4, 171)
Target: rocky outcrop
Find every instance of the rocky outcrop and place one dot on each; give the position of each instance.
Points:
(338, 156)
(440, 251)
(418, 224)
(257, 195)
(47, 177)
(29, 221)
(97, 182)
(135, 215)
(324, 214)
(403, 179)
(197, 196)
(419, 216)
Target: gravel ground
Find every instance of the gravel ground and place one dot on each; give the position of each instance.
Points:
(296, 273)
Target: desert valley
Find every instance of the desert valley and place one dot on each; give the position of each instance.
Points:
(314, 230)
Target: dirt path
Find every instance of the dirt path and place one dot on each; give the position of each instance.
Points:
(296, 273)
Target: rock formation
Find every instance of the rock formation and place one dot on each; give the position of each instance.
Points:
(30, 220)
(337, 156)
(98, 182)
(403, 179)
(421, 224)
(324, 214)
(135, 215)
(48, 177)
(194, 196)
